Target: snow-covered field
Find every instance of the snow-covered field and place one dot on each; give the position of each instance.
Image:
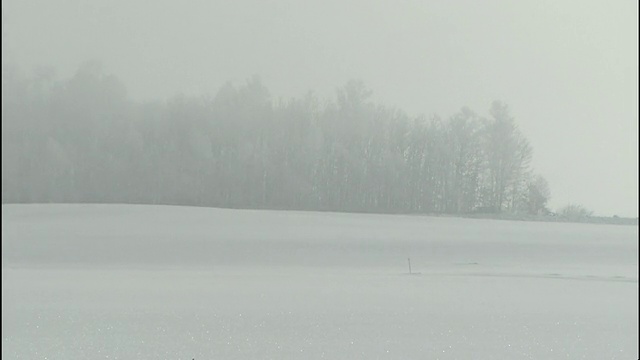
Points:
(160, 282)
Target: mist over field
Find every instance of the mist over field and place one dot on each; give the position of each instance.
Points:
(319, 180)
(567, 72)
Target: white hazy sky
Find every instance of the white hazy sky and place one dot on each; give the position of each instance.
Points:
(568, 69)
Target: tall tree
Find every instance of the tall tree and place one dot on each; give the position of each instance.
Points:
(508, 155)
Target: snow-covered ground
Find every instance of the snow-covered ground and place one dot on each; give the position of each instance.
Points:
(160, 282)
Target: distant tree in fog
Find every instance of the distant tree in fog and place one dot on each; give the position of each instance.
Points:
(574, 212)
(508, 155)
(538, 195)
(464, 140)
(83, 140)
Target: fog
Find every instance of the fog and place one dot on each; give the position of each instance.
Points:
(319, 180)
(567, 70)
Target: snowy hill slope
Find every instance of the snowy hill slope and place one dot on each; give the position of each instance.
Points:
(135, 234)
(156, 282)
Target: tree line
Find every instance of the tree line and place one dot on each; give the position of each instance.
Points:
(83, 139)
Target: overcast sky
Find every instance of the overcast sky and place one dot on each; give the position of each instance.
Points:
(567, 69)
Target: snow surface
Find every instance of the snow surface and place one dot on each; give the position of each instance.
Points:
(161, 282)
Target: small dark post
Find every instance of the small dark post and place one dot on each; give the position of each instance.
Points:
(409, 261)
